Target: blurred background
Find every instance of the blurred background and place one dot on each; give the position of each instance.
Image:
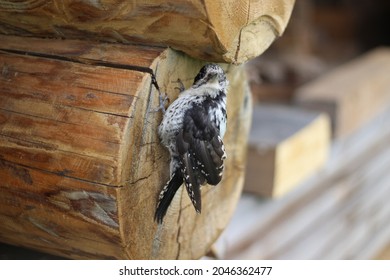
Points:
(321, 35)
(318, 178)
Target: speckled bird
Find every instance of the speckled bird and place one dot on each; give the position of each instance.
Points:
(192, 130)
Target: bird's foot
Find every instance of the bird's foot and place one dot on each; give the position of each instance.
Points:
(163, 99)
(181, 87)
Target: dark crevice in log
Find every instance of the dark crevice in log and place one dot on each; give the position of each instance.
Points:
(88, 61)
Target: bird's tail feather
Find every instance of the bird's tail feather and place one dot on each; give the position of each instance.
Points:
(166, 196)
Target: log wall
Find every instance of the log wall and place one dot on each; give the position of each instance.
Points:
(81, 162)
(224, 31)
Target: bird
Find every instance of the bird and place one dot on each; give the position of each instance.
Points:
(192, 129)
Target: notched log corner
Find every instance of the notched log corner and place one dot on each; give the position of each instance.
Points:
(82, 156)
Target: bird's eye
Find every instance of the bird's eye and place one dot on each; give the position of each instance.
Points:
(211, 75)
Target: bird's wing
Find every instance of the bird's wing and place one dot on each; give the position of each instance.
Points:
(201, 153)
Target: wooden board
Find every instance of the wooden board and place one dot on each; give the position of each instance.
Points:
(384, 254)
(80, 160)
(353, 93)
(224, 31)
(286, 145)
(343, 213)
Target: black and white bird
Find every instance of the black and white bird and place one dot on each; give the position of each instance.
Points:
(192, 130)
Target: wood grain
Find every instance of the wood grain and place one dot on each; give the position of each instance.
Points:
(229, 31)
(80, 159)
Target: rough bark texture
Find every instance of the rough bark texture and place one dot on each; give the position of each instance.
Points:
(230, 31)
(81, 165)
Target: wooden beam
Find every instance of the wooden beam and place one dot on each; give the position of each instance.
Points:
(352, 94)
(286, 145)
(81, 162)
(222, 31)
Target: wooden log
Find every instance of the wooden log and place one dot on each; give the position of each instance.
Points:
(229, 31)
(352, 94)
(81, 165)
(342, 214)
(384, 254)
(286, 145)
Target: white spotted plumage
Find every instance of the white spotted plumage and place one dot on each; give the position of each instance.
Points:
(192, 130)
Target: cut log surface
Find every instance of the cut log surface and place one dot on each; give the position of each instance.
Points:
(81, 165)
(353, 93)
(286, 145)
(230, 31)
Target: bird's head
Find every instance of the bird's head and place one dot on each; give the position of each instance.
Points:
(211, 74)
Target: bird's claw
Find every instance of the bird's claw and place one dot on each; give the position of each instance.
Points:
(181, 87)
(162, 100)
